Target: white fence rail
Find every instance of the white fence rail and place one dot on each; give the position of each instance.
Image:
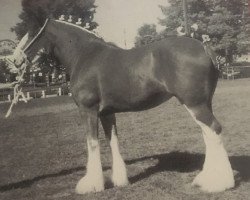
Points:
(7, 95)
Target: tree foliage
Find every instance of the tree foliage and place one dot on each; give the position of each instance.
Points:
(222, 20)
(35, 12)
(5, 75)
(146, 34)
(3, 71)
(225, 21)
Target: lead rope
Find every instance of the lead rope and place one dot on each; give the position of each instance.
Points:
(17, 90)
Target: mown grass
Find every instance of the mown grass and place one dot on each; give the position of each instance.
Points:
(43, 151)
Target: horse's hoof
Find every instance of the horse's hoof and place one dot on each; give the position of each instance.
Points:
(119, 173)
(120, 180)
(88, 184)
(214, 182)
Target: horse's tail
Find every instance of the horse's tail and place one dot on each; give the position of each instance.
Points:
(215, 58)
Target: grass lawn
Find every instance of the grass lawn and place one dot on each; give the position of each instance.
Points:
(43, 149)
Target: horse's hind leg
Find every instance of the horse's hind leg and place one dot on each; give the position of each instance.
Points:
(93, 180)
(216, 174)
(119, 173)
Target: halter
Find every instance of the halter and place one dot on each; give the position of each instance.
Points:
(21, 70)
(17, 89)
(37, 35)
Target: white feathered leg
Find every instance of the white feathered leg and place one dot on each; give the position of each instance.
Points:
(93, 180)
(119, 172)
(217, 174)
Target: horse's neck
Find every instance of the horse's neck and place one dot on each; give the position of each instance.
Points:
(69, 54)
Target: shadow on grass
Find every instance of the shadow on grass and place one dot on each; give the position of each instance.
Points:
(187, 162)
(242, 165)
(174, 161)
(29, 182)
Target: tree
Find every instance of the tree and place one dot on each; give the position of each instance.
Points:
(146, 34)
(225, 21)
(6, 48)
(35, 12)
(222, 20)
(3, 71)
(5, 75)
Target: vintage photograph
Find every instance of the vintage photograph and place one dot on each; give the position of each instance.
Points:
(124, 99)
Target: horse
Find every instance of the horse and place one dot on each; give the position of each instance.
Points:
(106, 80)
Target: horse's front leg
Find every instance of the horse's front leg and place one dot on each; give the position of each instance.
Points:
(119, 172)
(93, 180)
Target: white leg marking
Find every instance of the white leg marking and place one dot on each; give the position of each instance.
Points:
(119, 172)
(93, 180)
(217, 174)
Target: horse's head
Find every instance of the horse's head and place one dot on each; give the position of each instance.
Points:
(28, 48)
(19, 57)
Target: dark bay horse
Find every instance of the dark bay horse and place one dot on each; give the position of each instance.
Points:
(106, 80)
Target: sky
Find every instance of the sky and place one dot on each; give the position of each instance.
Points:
(9, 11)
(118, 20)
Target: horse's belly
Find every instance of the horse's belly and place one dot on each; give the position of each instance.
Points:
(150, 101)
(134, 103)
(140, 92)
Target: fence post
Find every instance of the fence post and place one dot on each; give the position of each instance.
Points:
(60, 91)
(28, 95)
(9, 98)
(43, 94)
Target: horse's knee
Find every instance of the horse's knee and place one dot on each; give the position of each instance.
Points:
(93, 143)
(86, 98)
